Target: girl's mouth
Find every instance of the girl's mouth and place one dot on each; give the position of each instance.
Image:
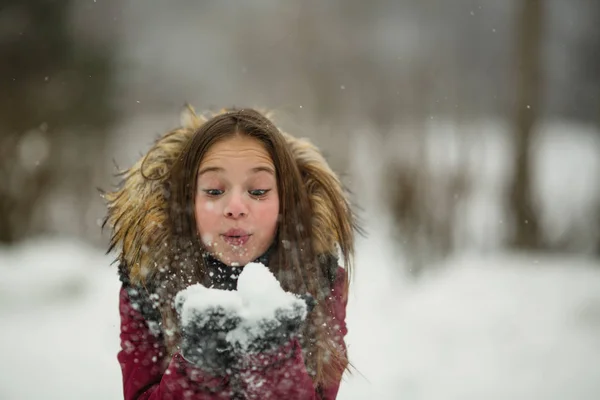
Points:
(236, 240)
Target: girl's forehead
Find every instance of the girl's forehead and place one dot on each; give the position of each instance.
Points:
(237, 150)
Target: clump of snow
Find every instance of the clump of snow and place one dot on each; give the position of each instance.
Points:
(258, 298)
(194, 302)
(262, 297)
(261, 292)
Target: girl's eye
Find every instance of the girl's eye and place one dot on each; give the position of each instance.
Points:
(213, 192)
(259, 192)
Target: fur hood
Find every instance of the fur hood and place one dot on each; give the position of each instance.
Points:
(137, 209)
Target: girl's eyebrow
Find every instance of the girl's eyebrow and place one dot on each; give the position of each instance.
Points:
(210, 169)
(263, 168)
(253, 170)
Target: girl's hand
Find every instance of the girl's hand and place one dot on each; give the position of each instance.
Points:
(220, 326)
(204, 332)
(270, 333)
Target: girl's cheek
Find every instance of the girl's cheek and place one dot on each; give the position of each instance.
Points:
(208, 239)
(209, 206)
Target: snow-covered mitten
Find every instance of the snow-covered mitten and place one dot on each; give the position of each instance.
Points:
(206, 316)
(271, 316)
(275, 332)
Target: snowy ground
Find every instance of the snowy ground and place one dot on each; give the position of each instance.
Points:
(495, 327)
(501, 327)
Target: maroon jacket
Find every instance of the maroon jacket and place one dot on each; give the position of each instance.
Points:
(277, 375)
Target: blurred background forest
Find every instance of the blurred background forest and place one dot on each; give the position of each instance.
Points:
(483, 116)
(467, 130)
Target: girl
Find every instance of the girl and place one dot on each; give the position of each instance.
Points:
(206, 200)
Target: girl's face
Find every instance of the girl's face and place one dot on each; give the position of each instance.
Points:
(237, 202)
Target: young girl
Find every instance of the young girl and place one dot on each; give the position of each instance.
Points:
(209, 198)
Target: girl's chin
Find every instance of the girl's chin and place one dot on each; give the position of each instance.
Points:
(234, 260)
(234, 256)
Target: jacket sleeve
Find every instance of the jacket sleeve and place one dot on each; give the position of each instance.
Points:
(282, 374)
(148, 374)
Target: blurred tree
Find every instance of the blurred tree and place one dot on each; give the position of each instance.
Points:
(54, 111)
(526, 232)
(590, 44)
(424, 200)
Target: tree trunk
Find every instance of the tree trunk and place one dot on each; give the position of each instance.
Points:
(526, 233)
(55, 91)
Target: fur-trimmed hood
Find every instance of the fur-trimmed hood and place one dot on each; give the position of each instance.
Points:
(137, 209)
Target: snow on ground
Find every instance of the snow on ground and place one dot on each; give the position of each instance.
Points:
(503, 327)
(58, 343)
(496, 327)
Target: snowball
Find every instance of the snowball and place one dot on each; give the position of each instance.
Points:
(256, 301)
(197, 299)
(257, 284)
(261, 296)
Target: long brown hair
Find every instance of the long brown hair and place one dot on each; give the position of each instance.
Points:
(294, 261)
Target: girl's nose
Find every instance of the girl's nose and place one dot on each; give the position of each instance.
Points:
(236, 208)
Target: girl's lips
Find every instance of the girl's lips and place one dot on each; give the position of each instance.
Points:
(236, 240)
(236, 232)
